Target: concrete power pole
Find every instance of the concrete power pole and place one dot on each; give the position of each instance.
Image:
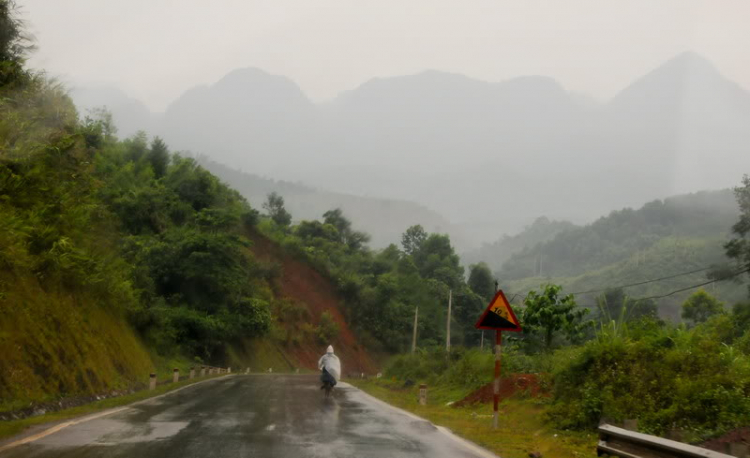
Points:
(448, 333)
(414, 335)
(541, 257)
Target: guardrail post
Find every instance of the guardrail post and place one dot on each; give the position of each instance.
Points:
(675, 434)
(229, 370)
(152, 382)
(175, 375)
(423, 394)
(203, 371)
(739, 450)
(192, 373)
(296, 371)
(247, 371)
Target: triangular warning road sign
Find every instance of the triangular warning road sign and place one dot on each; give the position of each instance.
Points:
(499, 316)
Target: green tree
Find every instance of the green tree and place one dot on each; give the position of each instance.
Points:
(741, 315)
(274, 206)
(413, 238)
(348, 236)
(701, 306)
(547, 315)
(739, 247)
(158, 157)
(15, 44)
(481, 281)
(136, 147)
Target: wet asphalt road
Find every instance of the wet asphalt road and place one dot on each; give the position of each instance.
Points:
(251, 416)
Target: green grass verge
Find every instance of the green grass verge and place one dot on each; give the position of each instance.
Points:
(13, 427)
(521, 430)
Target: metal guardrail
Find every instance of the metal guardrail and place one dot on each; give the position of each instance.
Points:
(614, 441)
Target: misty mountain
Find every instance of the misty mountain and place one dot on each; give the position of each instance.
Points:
(495, 254)
(682, 127)
(249, 119)
(491, 157)
(384, 219)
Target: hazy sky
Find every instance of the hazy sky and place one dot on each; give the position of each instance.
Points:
(156, 49)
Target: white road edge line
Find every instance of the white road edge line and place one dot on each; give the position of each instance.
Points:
(61, 426)
(447, 432)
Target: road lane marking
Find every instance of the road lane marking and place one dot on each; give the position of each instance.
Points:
(61, 426)
(482, 452)
(57, 428)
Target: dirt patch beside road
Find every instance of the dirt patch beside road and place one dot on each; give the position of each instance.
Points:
(512, 385)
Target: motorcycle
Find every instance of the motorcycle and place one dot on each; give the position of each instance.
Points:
(328, 382)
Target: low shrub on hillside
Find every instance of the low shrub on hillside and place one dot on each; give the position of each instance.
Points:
(697, 380)
(462, 368)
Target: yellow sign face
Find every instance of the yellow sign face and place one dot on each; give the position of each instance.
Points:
(501, 310)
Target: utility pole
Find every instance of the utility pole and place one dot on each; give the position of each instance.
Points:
(541, 257)
(414, 336)
(448, 332)
(496, 381)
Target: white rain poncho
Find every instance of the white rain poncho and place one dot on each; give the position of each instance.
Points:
(331, 363)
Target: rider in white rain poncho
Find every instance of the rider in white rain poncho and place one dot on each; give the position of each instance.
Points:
(330, 365)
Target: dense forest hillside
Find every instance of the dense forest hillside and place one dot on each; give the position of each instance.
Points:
(119, 258)
(496, 253)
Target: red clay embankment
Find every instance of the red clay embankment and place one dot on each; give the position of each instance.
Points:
(301, 283)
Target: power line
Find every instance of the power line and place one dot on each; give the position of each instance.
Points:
(655, 280)
(727, 277)
(643, 282)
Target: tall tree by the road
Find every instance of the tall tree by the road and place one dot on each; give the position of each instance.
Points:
(348, 236)
(274, 206)
(481, 281)
(739, 247)
(413, 238)
(136, 147)
(158, 156)
(548, 315)
(701, 306)
(436, 259)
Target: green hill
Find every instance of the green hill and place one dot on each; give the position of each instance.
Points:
(664, 237)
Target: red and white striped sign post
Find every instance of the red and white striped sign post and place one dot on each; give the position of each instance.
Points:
(498, 317)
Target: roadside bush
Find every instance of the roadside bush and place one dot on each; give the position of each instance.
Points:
(696, 380)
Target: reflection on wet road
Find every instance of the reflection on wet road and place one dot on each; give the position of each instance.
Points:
(251, 416)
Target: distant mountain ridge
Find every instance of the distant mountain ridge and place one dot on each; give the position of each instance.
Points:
(385, 220)
(491, 157)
